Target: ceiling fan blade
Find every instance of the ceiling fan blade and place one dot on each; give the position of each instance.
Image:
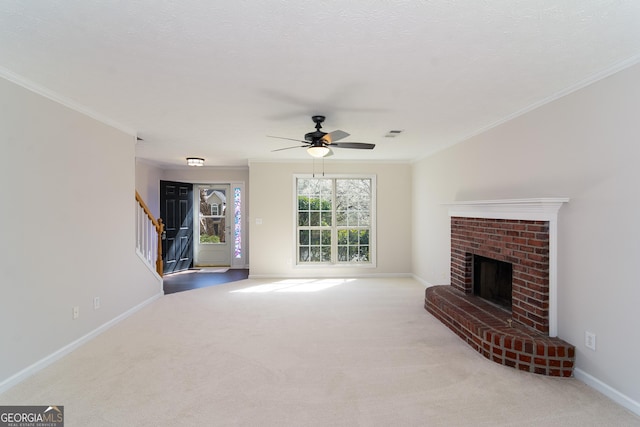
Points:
(336, 135)
(289, 148)
(358, 145)
(288, 139)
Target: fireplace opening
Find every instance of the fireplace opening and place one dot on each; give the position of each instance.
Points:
(492, 280)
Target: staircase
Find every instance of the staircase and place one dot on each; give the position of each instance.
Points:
(149, 231)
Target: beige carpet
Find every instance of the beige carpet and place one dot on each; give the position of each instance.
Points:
(301, 353)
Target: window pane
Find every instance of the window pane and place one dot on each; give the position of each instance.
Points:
(302, 186)
(303, 218)
(209, 226)
(315, 237)
(326, 219)
(314, 219)
(353, 253)
(304, 237)
(314, 203)
(326, 237)
(325, 203)
(304, 254)
(364, 252)
(343, 253)
(326, 253)
(315, 254)
(364, 218)
(352, 218)
(303, 203)
(342, 237)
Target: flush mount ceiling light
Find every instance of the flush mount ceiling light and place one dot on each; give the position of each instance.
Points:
(318, 151)
(195, 161)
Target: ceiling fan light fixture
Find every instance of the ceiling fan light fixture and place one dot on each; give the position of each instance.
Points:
(318, 151)
(195, 161)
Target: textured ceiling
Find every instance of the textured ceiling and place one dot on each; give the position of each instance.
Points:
(212, 79)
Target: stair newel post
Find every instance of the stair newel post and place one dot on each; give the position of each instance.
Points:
(160, 229)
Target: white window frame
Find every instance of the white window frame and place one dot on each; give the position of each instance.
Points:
(372, 263)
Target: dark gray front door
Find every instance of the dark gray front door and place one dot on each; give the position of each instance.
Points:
(176, 210)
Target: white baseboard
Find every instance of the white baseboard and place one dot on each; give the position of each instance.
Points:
(239, 267)
(43, 363)
(421, 280)
(607, 390)
(339, 276)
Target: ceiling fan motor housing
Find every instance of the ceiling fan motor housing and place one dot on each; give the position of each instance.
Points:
(318, 134)
(314, 136)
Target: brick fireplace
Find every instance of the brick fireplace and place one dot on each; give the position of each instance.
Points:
(523, 233)
(524, 244)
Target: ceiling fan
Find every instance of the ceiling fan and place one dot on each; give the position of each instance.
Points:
(319, 144)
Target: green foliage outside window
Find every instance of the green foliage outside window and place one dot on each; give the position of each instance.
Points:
(206, 238)
(313, 211)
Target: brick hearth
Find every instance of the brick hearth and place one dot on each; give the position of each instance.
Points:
(490, 331)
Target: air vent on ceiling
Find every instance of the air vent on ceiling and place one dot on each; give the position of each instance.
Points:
(393, 133)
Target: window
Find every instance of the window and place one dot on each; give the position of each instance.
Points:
(237, 222)
(335, 218)
(212, 219)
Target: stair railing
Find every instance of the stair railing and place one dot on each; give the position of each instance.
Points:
(149, 231)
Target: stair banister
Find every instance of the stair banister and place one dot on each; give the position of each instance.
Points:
(147, 243)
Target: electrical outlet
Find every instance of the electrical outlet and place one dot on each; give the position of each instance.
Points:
(96, 303)
(590, 340)
(76, 312)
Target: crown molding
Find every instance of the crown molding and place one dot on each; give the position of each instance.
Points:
(53, 96)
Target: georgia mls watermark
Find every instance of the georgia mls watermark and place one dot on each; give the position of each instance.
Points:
(32, 416)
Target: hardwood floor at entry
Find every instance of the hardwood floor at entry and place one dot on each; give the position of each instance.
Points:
(194, 279)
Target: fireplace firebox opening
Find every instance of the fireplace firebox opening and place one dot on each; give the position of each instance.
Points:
(492, 280)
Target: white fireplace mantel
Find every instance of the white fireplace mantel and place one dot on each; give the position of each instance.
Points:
(538, 209)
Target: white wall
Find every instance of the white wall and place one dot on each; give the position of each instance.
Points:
(148, 176)
(584, 146)
(271, 199)
(207, 174)
(68, 218)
